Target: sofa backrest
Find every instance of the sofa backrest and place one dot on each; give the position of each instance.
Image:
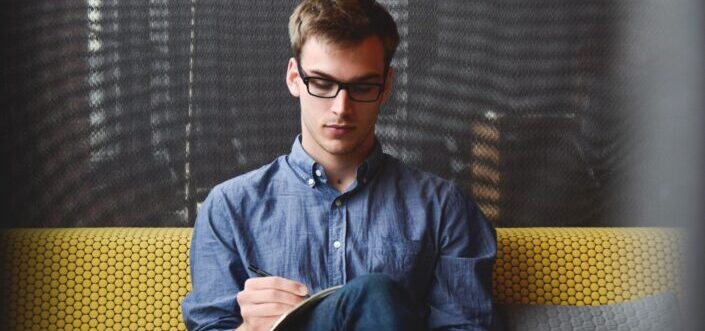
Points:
(586, 266)
(135, 278)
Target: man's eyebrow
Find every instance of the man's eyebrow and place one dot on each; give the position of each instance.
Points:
(365, 77)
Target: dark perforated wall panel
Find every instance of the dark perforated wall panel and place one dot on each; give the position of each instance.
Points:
(126, 113)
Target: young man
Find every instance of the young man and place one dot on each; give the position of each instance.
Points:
(411, 249)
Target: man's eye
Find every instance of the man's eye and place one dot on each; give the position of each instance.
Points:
(322, 84)
(363, 89)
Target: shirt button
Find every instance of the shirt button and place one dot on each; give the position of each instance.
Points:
(311, 182)
(319, 173)
(337, 244)
(338, 203)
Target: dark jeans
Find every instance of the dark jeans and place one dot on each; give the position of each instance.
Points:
(370, 302)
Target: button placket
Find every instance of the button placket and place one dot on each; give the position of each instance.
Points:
(337, 225)
(338, 204)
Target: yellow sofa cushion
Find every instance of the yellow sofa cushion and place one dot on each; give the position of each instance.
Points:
(585, 266)
(96, 279)
(135, 278)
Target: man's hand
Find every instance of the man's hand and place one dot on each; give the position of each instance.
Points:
(264, 299)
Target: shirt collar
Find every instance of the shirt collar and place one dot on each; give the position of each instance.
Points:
(369, 167)
(302, 164)
(305, 166)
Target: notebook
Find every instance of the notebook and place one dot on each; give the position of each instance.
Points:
(303, 306)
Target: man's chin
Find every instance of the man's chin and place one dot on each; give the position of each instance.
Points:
(340, 150)
(350, 146)
(341, 147)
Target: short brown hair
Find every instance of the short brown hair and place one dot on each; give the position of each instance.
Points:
(343, 22)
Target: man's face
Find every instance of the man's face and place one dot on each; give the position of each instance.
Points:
(339, 127)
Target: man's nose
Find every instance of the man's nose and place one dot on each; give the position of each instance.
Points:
(341, 103)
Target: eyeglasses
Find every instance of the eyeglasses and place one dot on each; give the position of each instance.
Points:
(328, 88)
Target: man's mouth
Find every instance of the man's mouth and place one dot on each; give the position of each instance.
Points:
(338, 130)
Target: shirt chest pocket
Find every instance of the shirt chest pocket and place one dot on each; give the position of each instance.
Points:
(405, 261)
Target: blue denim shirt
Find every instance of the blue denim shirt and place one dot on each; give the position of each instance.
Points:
(285, 219)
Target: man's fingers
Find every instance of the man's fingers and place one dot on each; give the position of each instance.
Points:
(268, 296)
(277, 283)
(264, 299)
(264, 310)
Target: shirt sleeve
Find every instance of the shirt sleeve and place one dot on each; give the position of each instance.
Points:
(214, 264)
(460, 297)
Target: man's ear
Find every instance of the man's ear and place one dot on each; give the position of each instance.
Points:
(292, 78)
(388, 85)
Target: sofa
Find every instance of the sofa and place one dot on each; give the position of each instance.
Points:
(136, 278)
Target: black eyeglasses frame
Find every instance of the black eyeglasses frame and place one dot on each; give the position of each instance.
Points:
(341, 86)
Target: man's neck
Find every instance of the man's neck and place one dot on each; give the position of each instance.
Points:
(341, 169)
(340, 173)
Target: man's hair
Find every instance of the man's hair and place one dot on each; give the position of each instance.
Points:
(343, 22)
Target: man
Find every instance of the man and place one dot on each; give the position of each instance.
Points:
(412, 251)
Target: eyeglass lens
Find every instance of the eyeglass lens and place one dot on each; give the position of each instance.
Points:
(329, 89)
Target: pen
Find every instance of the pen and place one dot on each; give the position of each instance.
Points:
(258, 271)
(263, 273)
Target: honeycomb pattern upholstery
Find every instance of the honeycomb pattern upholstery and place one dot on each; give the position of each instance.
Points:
(655, 313)
(136, 278)
(585, 266)
(95, 279)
